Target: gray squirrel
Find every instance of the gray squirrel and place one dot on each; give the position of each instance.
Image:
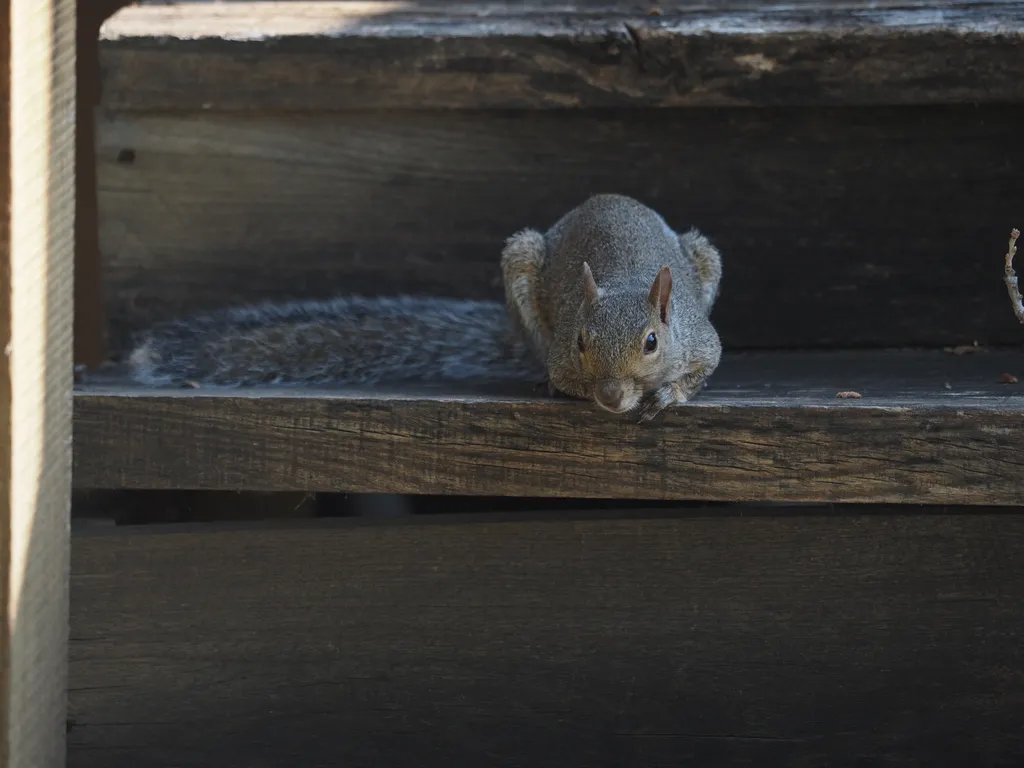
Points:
(609, 305)
(617, 305)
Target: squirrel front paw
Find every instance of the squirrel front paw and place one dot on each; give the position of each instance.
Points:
(655, 402)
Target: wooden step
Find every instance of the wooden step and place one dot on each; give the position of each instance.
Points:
(878, 638)
(329, 56)
(252, 151)
(930, 427)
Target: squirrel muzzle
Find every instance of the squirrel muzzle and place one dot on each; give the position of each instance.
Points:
(616, 395)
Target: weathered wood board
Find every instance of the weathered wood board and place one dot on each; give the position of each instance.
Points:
(37, 213)
(851, 228)
(342, 55)
(880, 638)
(929, 428)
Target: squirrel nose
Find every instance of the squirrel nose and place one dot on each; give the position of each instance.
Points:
(610, 393)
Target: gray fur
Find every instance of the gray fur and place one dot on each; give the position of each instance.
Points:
(582, 294)
(344, 341)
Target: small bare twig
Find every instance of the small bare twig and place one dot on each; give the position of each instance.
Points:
(1010, 277)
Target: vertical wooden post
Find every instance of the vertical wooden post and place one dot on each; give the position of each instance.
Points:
(36, 279)
(90, 315)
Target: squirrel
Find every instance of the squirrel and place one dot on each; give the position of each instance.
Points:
(609, 305)
(617, 304)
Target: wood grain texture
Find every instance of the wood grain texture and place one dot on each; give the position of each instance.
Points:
(8, 705)
(339, 55)
(840, 640)
(37, 205)
(769, 428)
(90, 331)
(881, 227)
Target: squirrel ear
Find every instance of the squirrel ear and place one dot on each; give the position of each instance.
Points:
(590, 289)
(661, 290)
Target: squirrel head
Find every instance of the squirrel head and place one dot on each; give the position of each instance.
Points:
(627, 343)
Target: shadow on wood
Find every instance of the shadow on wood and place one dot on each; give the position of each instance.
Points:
(842, 640)
(873, 227)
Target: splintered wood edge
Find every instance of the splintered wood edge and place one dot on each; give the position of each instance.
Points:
(261, 21)
(329, 57)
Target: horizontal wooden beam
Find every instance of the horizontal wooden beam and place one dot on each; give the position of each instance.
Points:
(874, 638)
(768, 429)
(374, 55)
(879, 227)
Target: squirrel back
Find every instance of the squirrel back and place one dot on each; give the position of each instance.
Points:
(343, 341)
(623, 242)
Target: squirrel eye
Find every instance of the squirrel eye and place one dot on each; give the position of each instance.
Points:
(650, 343)
(579, 342)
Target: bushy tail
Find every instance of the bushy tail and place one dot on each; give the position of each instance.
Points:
(344, 341)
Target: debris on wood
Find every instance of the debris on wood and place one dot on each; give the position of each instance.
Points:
(848, 395)
(963, 349)
(1010, 277)
(1007, 378)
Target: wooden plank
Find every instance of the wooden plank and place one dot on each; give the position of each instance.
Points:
(384, 55)
(876, 228)
(36, 263)
(768, 429)
(857, 639)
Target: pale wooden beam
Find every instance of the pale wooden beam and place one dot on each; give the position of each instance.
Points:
(36, 278)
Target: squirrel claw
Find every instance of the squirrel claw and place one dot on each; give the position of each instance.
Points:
(657, 401)
(647, 414)
(650, 410)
